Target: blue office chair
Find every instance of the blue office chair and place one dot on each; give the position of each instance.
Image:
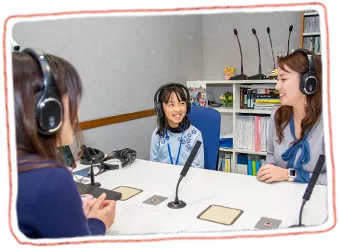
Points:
(208, 121)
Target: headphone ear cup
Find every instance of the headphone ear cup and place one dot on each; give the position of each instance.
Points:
(308, 83)
(49, 112)
(159, 110)
(127, 156)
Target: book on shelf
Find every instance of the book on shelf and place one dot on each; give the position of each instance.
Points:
(225, 163)
(262, 98)
(312, 43)
(252, 132)
(226, 140)
(249, 164)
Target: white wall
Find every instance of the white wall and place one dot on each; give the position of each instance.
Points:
(220, 46)
(123, 60)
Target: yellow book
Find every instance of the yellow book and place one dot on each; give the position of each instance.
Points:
(268, 100)
(227, 162)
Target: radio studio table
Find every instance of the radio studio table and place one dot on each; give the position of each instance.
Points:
(201, 188)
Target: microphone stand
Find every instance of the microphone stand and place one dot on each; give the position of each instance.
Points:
(300, 215)
(89, 158)
(258, 76)
(177, 203)
(310, 187)
(240, 76)
(274, 73)
(93, 183)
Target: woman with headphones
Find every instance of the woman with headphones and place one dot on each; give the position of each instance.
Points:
(47, 91)
(174, 138)
(296, 131)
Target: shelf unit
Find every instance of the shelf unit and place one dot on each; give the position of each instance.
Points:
(230, 114)
(310, 31)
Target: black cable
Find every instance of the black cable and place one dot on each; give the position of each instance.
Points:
(77, 177)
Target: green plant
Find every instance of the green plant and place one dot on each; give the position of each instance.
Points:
(227, 98)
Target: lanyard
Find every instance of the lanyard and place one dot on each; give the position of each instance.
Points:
(179, 149)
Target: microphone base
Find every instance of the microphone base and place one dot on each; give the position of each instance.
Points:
(273, 75)
(174, 205)
(296, 226)
(259, 76)
(97, 184)
(239, 77)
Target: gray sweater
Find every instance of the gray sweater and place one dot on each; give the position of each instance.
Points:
(316, 147)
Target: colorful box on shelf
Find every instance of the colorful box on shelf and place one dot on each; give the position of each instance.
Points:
(226, 141)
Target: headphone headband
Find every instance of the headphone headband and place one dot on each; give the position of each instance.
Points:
(126, 156)
(40, 57)
(309, 57)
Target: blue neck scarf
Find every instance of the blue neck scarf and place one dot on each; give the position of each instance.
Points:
(290, 154)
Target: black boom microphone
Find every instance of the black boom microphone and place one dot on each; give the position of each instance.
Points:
(178, 203)
(290, 31)
(258, 76)
(310, 187)
(271, 45)
(240, 76)
(274, 73)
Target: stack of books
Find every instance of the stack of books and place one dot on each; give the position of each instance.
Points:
(266, 99)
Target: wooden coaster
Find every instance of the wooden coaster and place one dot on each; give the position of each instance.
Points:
(220, 214)
(127, 192)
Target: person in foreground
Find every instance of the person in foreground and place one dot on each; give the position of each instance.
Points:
(47, 92)
(296, 131)
(174, 138)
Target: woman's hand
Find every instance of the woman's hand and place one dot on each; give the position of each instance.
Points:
(104, 210)
(270, 173)
(87, 205)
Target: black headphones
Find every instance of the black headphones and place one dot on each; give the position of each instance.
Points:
(158, 105)
(49, 108)
(97, 156)
(126, 156)
(308, 81)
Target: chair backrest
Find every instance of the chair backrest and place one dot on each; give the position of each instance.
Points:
(208, 121)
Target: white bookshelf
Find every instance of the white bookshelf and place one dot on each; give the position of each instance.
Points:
(229, 114)
(310, 31)
(313, 13)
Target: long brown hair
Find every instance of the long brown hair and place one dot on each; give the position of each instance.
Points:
(299, 63)
(28, 85)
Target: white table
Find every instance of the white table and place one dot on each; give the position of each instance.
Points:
(200, 189)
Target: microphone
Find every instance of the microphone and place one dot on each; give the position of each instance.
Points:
(271, 45)
(310, 186)
(14, 45)
(178, 203)
(240, 76)
(290, 31)
(258, 76)
(274, 73)
(89, 158)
